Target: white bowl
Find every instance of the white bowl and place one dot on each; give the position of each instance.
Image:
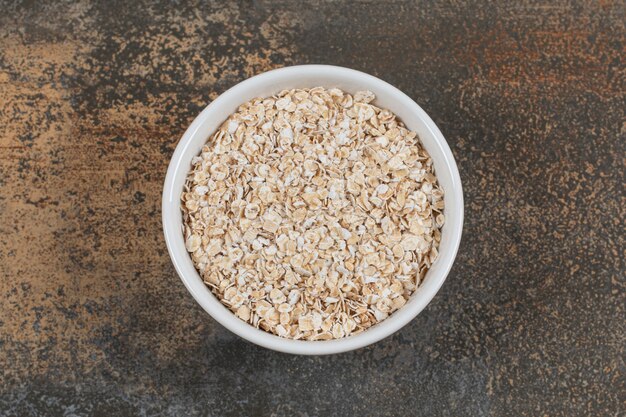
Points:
(304, 76)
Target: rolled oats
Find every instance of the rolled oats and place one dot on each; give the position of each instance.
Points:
(313, 214)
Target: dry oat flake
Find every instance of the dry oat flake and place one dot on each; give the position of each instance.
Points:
(313, 214)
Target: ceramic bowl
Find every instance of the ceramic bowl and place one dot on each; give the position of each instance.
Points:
(306, 76)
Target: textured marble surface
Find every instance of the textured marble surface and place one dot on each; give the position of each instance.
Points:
(94, 97)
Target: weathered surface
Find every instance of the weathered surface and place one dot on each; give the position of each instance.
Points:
(95, 95)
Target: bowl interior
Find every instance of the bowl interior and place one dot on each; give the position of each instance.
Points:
(308, 76)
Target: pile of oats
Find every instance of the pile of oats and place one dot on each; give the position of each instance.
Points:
(313, 214)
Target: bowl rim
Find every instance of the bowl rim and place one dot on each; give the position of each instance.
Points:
(174, 237)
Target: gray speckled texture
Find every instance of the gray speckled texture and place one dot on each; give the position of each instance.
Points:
(95, 95)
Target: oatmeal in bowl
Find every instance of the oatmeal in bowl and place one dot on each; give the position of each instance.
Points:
(313, 215)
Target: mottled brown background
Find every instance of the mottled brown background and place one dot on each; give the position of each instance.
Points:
(93, 99)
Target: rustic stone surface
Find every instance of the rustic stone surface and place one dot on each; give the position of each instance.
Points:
(95, 95)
